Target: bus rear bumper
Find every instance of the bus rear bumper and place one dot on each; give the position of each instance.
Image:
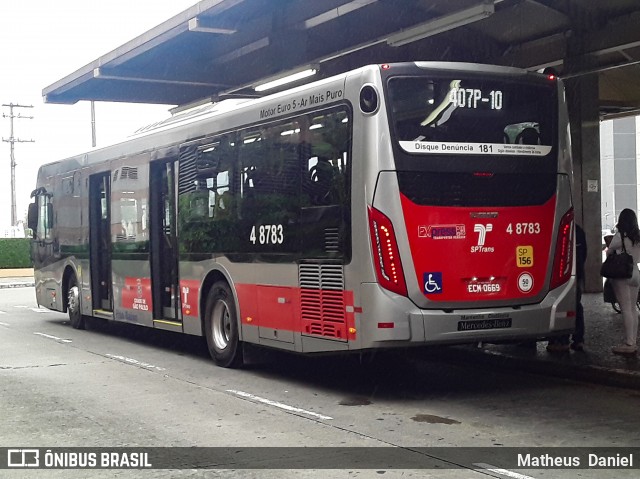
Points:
(392, 319)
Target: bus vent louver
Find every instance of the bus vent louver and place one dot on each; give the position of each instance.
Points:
(331, 240)
(188, 174)
(129, 172)
(322, 302)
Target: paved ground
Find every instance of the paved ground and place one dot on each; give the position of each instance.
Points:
(603, 329)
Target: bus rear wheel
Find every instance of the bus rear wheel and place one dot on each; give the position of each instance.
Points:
(221, 327)
(73, 305)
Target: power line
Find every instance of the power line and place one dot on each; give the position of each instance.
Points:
(12, 141)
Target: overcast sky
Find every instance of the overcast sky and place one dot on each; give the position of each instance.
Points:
(42, 41)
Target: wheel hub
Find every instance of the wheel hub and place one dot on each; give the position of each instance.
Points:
(74, 299)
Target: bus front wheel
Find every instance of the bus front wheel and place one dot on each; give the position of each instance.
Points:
(73, 304)
(221, 327)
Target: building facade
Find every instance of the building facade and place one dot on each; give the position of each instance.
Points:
(620, 171)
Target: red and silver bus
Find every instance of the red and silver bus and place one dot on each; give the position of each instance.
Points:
(394, 205)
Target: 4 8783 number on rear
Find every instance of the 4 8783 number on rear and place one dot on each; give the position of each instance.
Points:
(523, 228)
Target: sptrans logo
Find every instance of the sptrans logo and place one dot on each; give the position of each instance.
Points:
(482, 231)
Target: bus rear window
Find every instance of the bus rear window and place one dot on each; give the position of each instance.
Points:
(471, 190)
(472, 116)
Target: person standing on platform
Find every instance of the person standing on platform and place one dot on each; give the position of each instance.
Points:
(626, 290)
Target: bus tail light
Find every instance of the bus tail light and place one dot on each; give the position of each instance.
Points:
(386, 256)
(563, 257)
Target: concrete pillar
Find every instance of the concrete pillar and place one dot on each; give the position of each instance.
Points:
(582, 96)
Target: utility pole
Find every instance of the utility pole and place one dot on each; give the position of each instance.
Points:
(12, 141)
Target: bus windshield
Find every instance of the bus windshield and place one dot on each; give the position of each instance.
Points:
(472, 116)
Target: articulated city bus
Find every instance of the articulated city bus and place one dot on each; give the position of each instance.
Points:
(394, 205)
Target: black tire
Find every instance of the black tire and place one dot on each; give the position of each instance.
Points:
(221, 327)
(73, 304)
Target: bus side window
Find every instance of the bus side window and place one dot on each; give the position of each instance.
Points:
(207, 187)
(325, 160)
(215, 173)
(270, 173)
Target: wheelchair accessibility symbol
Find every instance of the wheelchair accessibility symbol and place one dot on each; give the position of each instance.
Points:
(432, 283)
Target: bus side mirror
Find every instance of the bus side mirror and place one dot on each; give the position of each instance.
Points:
(32, 216)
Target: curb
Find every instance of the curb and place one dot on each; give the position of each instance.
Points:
(16, 285)
(16, 272)
(591, 373)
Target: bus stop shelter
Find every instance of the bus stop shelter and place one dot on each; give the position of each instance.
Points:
(221, 49)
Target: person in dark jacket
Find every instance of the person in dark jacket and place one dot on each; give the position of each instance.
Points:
(581, 257)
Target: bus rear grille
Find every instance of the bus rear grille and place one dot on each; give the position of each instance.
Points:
(322, 302)
(331, 240)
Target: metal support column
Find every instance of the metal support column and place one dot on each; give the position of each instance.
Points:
(582, 95)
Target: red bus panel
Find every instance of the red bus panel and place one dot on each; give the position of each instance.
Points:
(464, 254)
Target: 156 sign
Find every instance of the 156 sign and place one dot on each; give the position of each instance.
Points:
(524, 255)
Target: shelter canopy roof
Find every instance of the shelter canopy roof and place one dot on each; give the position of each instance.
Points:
(222, 48)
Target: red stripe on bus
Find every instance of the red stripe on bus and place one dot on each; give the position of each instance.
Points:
(317, 312)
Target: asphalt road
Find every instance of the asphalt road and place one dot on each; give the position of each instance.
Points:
(121, 386)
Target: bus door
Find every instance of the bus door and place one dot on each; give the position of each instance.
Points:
(164, 249)
(100, 241)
